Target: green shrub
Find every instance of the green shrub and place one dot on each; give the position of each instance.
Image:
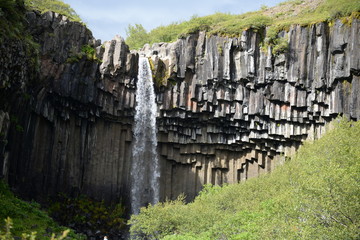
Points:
(85, 213)
(280, 45)
(315, 195)
(163, 33)
(167, 217)
(136, 36)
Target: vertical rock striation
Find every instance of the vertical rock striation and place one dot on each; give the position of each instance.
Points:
(233, 110)
(76, 127)
(227, 109)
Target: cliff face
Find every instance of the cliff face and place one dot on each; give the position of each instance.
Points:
(227, 110)
(234, 109)
(75, 131)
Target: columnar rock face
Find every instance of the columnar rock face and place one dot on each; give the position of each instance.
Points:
(228, 110)
(74, 133)
(233, 108)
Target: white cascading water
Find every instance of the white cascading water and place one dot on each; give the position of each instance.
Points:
(145, 171)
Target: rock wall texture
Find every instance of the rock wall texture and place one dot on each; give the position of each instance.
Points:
(234, 109)
(75, 133)
(227, 109)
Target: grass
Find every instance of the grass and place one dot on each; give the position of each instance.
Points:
(27, 217)
(303, 12)
(315, 195)
(12, 14)
(57, 6)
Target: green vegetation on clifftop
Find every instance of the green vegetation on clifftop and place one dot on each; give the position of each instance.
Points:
(57, 6)
(303, 12)
(12, 14)
(315, 195)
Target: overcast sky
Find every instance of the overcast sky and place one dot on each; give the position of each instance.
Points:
(107, 18)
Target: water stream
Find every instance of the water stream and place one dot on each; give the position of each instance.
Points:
(145, 172)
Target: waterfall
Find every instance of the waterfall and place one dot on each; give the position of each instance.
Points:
(145, 172)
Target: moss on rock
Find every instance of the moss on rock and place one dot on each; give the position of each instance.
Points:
(159, 70)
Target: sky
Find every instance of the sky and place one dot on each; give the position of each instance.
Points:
(107, 18)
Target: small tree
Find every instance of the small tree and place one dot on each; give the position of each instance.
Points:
(136, 36)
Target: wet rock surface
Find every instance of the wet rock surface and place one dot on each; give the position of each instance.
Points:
(227, 109)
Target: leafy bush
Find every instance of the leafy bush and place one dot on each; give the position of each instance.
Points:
(280, 45)
(137, 36)
(83, 213)
(315, 195)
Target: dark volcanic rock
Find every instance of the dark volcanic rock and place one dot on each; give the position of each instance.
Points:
(228, 110)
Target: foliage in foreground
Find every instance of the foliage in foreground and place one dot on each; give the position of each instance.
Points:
(234, 25)
(84, 214)
(7, 235)
(57, 6)
(26, 217)
(315, 195)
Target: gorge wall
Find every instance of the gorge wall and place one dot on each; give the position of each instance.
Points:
(228, 110)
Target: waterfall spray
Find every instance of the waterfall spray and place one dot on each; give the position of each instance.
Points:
(145, 172)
